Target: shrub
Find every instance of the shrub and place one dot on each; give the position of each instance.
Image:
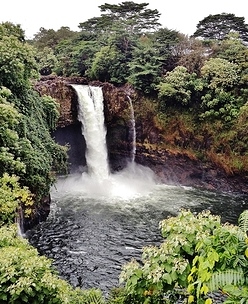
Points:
(199, 255)
(26, 277)
(12, 196)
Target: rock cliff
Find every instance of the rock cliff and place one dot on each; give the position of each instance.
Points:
(171, 167)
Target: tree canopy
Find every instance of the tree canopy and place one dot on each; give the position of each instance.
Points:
(220, 25)
(133, 17)
(27, 149)
(17, 62)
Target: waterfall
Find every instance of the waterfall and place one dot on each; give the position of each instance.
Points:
(133, 181)
(133, 131)
(19, 222)
(90, 114)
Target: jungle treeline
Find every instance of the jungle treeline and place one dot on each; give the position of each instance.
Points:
(196, 86)
(197, 89)
(198, 83)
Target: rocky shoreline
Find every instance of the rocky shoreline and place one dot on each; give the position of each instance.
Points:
(179, 169)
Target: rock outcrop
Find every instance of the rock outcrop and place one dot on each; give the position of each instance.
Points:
(170, 167)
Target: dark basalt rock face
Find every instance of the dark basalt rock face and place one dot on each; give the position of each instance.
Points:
(177, 168)
(180, 169)
(117, 118)
(39, 215)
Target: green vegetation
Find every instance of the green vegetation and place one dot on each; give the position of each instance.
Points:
(193, 90)
(27, 149)
(220, 25)
(26, 277)
(29, 159)
(199, 255)
(204, 75)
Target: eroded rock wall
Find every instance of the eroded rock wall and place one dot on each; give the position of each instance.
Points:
(170, 167)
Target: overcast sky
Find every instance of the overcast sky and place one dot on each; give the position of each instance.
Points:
(180, 15)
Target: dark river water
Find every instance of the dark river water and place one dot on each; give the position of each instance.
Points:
(95, 228)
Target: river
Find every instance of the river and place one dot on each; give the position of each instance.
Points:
(94, 229)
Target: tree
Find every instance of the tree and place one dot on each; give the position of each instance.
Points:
(178, 87)
(220, 101)
(10, 29)
(191, 53)
(75, 56)
(46, 60)
(145, 66)
(50, 38)
(165, 41)
(133, 17)
(17, 64)
(233, 50)
(220, 25)
(105, 64)
(220, 73)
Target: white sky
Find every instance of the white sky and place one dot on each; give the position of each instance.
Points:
(180, 15)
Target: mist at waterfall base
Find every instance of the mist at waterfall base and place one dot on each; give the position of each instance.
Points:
(96, 179)
(100, 220)
(133, 181)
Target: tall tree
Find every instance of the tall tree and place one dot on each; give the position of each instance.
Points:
(17, 63)
(107, 66)
(145, 66)
(220, 25)
(133, 17)
(51, 38)
(191, 53)
(165, 41)
(75, 56)
(10, 29)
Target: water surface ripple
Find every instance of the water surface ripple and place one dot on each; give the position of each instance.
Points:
(90, 238)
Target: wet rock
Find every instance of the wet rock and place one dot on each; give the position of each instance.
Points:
(170, 167)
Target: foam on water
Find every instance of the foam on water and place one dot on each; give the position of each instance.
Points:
(132, 182)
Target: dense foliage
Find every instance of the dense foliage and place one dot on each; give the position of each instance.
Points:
(204, 77)
(199, 255)
(220, 25)
(196, 90)
(26, 277)
(27, 149)
(12, 198)
(28, 157)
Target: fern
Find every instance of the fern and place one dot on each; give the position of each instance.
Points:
(93, 296)
(236, 294)
(243, 221)
(228, 277)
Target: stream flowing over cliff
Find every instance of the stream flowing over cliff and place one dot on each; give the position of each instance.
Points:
(101, 218)
(175, 168)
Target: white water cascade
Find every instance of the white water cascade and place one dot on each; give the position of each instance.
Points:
(133, 131)
(90, 114)
(133, 181)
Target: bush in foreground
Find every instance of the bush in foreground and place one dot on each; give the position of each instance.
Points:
(26, 277)
(199, 256)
